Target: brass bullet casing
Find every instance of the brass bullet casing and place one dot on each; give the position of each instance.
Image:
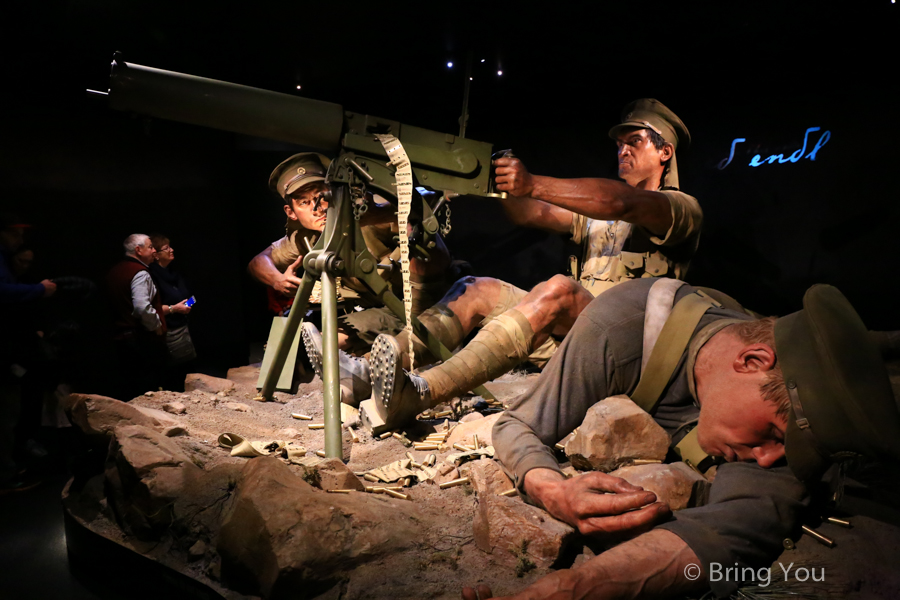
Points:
(840, 522)
(431, 459)
(460, 447)
(399, 436)
(301, 416)
(825, 541)
(316, 425)
(475, 441)
(645, 461)
(396, 494)
(410, 456)
(371, 478)
(788, 544)
(353, 435)
(338, 491)
(443, 413)
(559, 446)
(419, 446)
(321, 453)
(385, 435)
(259, 398)
(512, 492)
(454, 483)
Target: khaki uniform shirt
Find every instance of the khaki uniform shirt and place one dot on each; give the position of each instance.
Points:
(615, 250)
(379, 241)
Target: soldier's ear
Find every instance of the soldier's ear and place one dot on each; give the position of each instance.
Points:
(290, 213)
(754, 358)
(667, 152)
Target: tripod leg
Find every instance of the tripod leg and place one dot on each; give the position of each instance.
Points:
(331, 376)
(301, 302)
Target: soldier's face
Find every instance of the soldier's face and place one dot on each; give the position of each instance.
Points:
(302, 207)
(638, 158)
(736, 421)
(742, 429)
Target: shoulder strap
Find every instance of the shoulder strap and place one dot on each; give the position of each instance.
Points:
(668, 349)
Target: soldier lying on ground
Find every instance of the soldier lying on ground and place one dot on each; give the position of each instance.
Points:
(779, 400)
(300, 182)
(643, 227)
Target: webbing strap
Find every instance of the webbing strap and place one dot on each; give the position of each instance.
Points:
(689, 450)
(673, 340)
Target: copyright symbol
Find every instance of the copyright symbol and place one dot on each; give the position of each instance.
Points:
(692, 572)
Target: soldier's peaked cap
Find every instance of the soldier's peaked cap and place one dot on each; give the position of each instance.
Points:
(842, 403)
(297, 171)
(648, 113)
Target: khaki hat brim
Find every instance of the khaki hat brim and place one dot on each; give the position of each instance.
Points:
(301, 182)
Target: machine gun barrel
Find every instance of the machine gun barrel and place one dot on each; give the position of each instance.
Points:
(440, 161)
(227, 106)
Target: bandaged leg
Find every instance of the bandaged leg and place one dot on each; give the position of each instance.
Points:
(501, 344)
(443, 325)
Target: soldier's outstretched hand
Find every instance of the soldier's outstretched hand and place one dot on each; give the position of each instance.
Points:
(597, 504)
(512, 177)
(289, 281)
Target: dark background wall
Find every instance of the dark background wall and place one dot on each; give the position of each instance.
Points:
(87, 176)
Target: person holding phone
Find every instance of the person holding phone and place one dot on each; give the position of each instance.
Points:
(176, 304)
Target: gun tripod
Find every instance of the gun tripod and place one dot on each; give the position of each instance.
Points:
(341, 251)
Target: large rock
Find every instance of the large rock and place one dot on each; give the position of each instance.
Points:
(284, 539)
(98, 415)
(462, 433)
(207, 383)
(676, 484)
(331, 474)
(486, 477)
(616, 432)
(145, 474)
(517, 534)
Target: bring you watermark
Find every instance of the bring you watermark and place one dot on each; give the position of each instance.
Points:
(762, 577)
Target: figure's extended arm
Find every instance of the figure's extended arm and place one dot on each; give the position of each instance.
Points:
(657, 564)
(596, 198)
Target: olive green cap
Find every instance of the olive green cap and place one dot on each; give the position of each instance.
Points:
(297, 171)
(648, 113)
(842, 403)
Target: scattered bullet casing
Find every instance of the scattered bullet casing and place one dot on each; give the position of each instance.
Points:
(559, 446)
(460, 447)
(302, 417)
(825, 541)
(443, 413)
(512, 492)
(454, 483)
(645, 461)
(841, 522)
(385, 435)
(399, 436)
(353, 435)
(321, 453)
(339, 491)
(396, 494)
(371, 478)
(475, 441)
(316, 425)
(788, 544)
(426, 446)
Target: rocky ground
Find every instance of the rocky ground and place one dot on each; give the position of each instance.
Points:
(268, 526)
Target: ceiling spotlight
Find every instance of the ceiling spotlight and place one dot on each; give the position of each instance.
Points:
(482, 60)
(470, 79)
(298, 87)
(450, 65)
(499, 72)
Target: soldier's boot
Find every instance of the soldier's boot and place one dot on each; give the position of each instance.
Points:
(397, 395)
(500, 345)
(355, 383)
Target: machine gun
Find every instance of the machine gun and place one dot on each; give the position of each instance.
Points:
(441, 163)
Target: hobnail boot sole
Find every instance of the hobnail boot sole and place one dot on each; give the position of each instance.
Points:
(312, 341)
(385, 371)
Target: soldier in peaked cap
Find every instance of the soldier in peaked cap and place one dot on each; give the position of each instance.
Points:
(300, 182)
(642, 227)
(779, 400)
